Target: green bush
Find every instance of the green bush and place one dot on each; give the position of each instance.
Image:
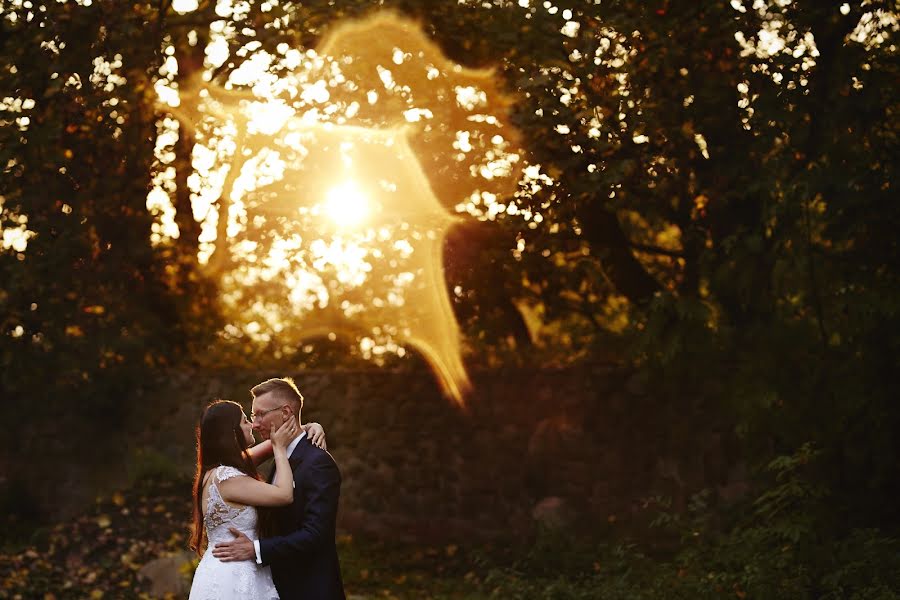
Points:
(779, 545)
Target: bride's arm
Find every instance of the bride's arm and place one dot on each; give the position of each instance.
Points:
(250, 491)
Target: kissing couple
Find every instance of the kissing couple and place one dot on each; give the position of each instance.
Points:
(286, 550)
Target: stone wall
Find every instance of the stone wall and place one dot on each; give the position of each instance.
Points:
(583, 448)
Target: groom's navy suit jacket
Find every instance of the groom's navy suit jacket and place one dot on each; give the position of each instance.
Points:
(303, 556)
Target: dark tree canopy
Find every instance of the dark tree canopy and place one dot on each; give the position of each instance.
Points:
(709, 189)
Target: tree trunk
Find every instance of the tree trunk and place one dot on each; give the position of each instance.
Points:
(603, 231)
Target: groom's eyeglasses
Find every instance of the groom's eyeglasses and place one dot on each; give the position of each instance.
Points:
(261, 413)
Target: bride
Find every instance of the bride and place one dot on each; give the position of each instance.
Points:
(226, 490)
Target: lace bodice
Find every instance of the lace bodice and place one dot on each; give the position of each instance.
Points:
(240, 580)
(220, 515)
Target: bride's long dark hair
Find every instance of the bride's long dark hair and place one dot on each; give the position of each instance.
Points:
(220, 441)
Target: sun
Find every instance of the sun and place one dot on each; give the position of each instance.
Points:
(347, 205)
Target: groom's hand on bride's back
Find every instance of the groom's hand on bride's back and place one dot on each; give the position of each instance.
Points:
(240, 548)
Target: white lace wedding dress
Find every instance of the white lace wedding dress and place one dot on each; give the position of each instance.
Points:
(217, 580)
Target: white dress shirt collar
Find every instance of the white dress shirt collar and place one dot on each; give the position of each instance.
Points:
(293, 445)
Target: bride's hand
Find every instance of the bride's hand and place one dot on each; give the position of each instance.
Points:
(316, 434)
(282, 436)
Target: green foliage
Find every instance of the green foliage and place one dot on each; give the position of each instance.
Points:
(718, 216)
(782, 545)
(90, 305)
(762, 556)
(777, 545)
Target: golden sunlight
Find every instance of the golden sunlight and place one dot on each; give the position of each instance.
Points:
(347, 205)
(327, 180)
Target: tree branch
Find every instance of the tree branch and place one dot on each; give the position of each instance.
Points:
(649, 249)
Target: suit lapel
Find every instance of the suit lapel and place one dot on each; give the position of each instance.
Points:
(294, 459)
(299, 452)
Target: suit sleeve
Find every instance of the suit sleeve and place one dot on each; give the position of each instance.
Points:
(317, 523)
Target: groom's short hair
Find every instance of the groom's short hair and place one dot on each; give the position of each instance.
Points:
(283, 388)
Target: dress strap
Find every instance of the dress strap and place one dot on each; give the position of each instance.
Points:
(225, 472)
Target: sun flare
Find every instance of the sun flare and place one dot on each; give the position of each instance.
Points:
(347, 205)
(323, 191)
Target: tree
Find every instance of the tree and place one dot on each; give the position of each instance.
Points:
(725, 168)
(88, 304)
(705, 193)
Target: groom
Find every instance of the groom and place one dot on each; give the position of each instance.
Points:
(303, 556)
